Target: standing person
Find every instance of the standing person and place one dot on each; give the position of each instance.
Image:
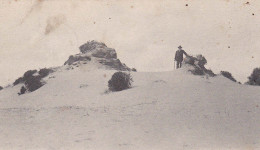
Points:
(179, 56)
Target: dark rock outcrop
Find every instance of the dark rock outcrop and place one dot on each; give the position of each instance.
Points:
(98, 49)
(91, 45)
(77, 58)
(198, 65)
(99, 52)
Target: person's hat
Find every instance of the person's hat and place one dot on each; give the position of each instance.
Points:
(180, 46)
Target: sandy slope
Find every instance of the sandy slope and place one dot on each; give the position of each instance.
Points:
(163, 110)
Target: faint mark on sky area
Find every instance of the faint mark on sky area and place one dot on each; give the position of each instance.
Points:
(36, 6)
(53, 23)
(74, 5)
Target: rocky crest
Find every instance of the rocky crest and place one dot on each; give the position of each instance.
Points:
(90, 51)
(98, 49)
(100, 52)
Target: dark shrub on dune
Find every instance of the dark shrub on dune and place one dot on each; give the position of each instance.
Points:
(17, 81)
(26, 75)
(254, 78)
(228, 75)
(45, 72)
(29, 73)
(31, 80)
(33, 83)
(120, 81)
(134, 70)
(22, 90)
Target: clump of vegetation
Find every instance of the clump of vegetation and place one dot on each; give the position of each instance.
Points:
(45, 72)
(254, 78)
(27, 75)
(22, 90)
(33, 83)
(210, 72)
(17, 81)
(31, 80)
(120, 81)
(228, 75)
(134, 70)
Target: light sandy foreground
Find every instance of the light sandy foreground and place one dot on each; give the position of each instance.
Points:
(163, 111)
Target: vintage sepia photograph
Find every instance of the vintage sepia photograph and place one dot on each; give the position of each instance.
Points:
(129, 75)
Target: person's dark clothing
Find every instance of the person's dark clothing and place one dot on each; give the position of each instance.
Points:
(179, 57)
(179, 64)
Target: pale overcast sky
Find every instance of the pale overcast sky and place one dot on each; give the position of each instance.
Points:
(145, 33)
